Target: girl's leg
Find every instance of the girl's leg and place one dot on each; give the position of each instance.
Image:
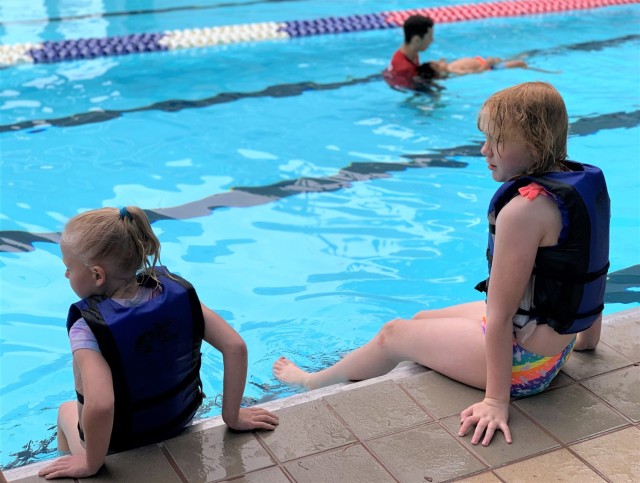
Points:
(470, 310)
(68, 437)
(453, 346)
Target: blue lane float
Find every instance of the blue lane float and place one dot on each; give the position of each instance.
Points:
(96, 47)
(79, 49)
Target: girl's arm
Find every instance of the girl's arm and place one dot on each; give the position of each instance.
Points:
(521, 227)
(99, 404)
(97, 418)
(588, 339)
(223, 337)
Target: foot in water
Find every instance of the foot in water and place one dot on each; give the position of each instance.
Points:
(288, 373)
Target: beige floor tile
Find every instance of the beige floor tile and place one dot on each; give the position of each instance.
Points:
(306, 429)
(427, 453)
(571, 413)
(615, 455)
(621, 389)
(269, 475)
(559, 465)
(353, 464)
(528, 439)
(217, 453)
(367, 410)
(143, 464)
(486, 477)
(441, 395)
(623, 333)
(592, 363)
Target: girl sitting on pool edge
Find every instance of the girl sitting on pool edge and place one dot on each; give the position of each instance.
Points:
(548, 257)
(135, 338)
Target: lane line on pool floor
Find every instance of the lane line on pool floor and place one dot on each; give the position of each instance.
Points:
(276, 91)
(244, 197)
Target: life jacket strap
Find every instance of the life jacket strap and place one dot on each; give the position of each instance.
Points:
(560, 315)
(572, 277)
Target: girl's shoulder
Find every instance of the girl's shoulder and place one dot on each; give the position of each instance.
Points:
(530, 213)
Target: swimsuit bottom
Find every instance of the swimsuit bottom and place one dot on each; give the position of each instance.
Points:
(484, 63)
(532, 373)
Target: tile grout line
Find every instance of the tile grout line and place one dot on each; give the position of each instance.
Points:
(616, 350)
(567, 446)
(459, 439)
(361, 441)
(172, 462)
(272, 455)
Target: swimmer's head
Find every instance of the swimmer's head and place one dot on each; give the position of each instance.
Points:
(418, 31)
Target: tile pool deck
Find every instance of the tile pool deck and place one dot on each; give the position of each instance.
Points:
(402, 428)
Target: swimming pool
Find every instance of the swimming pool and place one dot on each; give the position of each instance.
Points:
(311, 202)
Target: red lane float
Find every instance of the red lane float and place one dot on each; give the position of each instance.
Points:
(499, 9)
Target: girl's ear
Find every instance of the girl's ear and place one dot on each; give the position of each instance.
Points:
(99, 275)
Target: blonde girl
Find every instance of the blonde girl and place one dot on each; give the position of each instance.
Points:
(136, 336)
(548, 257)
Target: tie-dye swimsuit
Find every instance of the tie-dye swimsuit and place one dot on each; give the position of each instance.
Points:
(532, 373)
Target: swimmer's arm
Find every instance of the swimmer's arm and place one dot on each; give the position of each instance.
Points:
(588, 339)
(223, 337)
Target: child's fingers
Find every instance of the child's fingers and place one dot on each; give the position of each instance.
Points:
(507, 432)
(264, 412)
(268, 417)
(467, 424)
(265, 425)
(488, 434)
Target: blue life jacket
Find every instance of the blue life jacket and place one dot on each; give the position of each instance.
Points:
(153, 351)
(569, 278)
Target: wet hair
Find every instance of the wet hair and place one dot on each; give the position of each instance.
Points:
(429, 70)
(416, 25)
(533, 113)
(120, 239)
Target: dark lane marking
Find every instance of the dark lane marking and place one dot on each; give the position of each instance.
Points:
(175, 105)
(260, 195)
(623, 286)
(247, 196)
(281, 90)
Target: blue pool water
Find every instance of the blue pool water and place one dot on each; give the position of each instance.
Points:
(323, 225)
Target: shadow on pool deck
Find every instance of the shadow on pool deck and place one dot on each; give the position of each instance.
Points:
(402, 427)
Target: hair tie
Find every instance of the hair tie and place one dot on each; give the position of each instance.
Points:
(125, 213)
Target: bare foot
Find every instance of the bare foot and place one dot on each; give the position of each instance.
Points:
(287, 372)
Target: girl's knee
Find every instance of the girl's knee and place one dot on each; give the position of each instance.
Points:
(389, 332)
(67, 409)
(423, 314)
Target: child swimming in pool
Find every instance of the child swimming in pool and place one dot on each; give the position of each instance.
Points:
(474, 65)
(135, 338)
(548, 255)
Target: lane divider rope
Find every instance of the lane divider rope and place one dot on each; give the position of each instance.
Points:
(76, 49)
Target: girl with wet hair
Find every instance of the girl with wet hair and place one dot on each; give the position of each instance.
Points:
(548, 252)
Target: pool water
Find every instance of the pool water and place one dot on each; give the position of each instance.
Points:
(311, 202)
